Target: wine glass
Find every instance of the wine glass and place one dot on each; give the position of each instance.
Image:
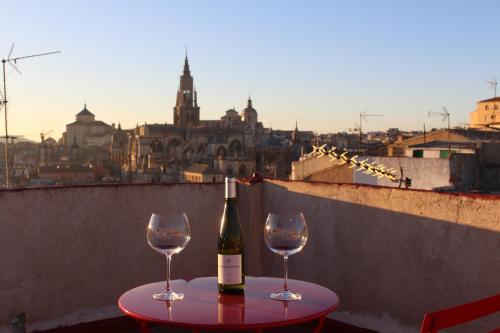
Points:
(168, 234)
(285, 234)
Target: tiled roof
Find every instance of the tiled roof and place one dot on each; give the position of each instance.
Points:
(203, 169)
(496, 99)
(92, 123)
(444, 144)
(85, 112)
(65, 168)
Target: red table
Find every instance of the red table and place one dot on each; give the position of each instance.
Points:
(203, 307)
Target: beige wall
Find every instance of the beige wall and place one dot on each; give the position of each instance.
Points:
(384, 251)
(196, 177)
(392, 251)
(459, 171)
(334, 174)
(81, 132)
(486, 113)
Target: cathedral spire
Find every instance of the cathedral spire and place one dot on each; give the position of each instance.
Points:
(186, 110)
(186, 64)
(295, 133)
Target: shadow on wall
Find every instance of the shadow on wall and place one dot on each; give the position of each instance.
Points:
(398, 261)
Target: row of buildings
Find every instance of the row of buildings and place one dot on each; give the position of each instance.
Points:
(236, 144)
(192, 149)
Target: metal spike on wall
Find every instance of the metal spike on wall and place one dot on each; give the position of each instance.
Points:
(365, 166)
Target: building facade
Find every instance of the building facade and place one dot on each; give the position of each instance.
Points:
(487, 113)
(85, 131)
(202, 173)
(161, 152)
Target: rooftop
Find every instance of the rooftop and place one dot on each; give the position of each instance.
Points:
(92, 123)
(445, 144)
(390, 254)
(203, 169)
(85, 112)
(495, 99)
(65, 168)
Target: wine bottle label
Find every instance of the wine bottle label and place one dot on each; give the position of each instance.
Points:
(229, 269)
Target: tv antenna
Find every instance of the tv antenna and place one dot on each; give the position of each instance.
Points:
(12, 61)
(493, 85)
(44, 134)
(446, 116)
(364, 116)
(12, 137)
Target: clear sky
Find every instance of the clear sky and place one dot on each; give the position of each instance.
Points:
(318, 62)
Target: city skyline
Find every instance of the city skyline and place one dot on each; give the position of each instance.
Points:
(320, 65)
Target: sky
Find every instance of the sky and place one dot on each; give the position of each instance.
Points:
(319, 63)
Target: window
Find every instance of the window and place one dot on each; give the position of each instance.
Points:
(445, 153)
(486, 107)
(418, 153)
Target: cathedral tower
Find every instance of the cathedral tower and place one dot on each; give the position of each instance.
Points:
(186, 110)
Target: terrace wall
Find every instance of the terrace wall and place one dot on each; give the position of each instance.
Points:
(66, 254)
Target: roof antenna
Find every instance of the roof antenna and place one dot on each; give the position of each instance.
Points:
(493, 85)
(363, 116)
(446, 116)
(12, 62)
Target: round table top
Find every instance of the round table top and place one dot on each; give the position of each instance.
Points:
(204, 307)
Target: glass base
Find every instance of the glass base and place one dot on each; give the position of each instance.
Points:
(286, 296)
(168, 296)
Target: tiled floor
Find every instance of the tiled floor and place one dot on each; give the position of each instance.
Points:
(127, 325)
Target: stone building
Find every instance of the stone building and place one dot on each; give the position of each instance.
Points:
(203, 173)
(67, 174)
(118, 149)
(85, 131)
(161, 152)
(86, 142)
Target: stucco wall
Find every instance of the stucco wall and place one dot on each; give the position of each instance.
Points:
(74, 250)
(392, 251)
(308, 166)
(426, 173)
(340, 173)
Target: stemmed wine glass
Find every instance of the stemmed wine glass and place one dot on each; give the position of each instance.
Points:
(168, 234)
(285, 234)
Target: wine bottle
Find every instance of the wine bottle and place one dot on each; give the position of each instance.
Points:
(231, 271)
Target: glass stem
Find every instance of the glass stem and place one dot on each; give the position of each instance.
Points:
(285, 261)
(168, 288)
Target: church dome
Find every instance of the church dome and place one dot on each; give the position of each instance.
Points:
(85, 112)
(85, 115)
